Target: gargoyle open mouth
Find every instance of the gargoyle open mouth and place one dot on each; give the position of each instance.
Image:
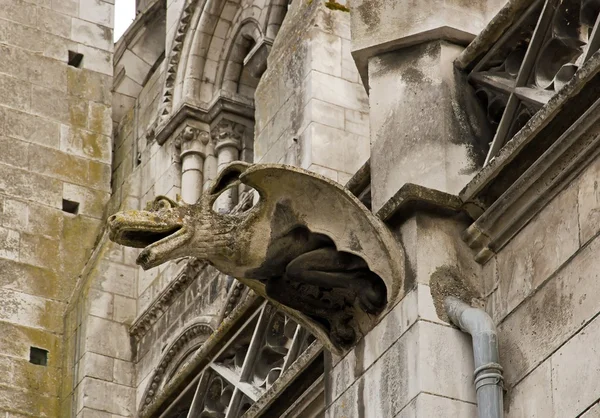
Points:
(140, 238)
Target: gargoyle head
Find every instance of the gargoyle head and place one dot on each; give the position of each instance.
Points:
(167, 230)
(162, 230)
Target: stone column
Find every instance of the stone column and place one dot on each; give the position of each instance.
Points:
(423, 125)
(192, 144)
(228, 144)
(425, 122)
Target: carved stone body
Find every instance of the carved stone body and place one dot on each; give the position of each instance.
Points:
(308, 244)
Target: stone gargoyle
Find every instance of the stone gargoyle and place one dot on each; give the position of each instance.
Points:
(308, 245)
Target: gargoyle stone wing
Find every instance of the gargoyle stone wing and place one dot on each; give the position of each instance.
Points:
(328, 208)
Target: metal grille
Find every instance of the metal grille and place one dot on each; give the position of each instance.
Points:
(243, 371)
(532, 61)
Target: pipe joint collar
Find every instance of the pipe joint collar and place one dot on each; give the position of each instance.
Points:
(488, 374)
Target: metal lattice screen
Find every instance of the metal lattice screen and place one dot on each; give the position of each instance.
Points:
(245, 369)
(532, 61)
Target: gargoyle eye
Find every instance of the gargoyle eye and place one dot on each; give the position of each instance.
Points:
(162, 204)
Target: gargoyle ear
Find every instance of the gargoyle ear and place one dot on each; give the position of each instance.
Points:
(228, 177)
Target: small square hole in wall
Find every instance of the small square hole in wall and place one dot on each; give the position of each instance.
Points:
(75, 59)
(70, 206)
(38, 356)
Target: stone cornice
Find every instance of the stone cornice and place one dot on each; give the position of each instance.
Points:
(224, 103)
(537, 186)
(149, 317)
(413, 197)
(530, 143)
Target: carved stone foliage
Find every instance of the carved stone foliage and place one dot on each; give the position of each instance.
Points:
(533, 60)
(228, 133)
(308, 245)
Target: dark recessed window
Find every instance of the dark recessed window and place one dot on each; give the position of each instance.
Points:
(38, 356)
(70, 206)
(75, 59)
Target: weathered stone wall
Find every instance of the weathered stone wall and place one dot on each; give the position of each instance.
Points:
(311, 108)
(55, 136)
(413, 364)
(543, 295)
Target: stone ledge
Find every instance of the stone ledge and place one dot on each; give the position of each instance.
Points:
(413, 197)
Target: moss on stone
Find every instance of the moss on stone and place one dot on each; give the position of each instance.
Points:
(334, 5)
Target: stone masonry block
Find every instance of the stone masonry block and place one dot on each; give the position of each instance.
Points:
(101, 304)
(100, 119)
(532, 397)
(416, 363)
(536, 328)
(429, 406)
(337, 149)
(66, 7)
(334, 90)
(124, 373)
(97, 392)
(97, 11)
(96, 366)
(14, 214)
(92, 34)
(16, 93)
(33, 280)
(53, 22)
(325, 52)
(96, 59)
(18, 11)
(125, 310)
(574, 367)
(28, 128)
(30, 186)
(536, 252)
(14, 152)
(116, 278)
(107, 338)
(83, 143)
(57, 164)
(91, 202)
(589, 201)
(9, 244)
(39, 251)
(44, 220)
(30, 311)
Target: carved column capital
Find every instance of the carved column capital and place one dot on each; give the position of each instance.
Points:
(228, 134)
(192, 140)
